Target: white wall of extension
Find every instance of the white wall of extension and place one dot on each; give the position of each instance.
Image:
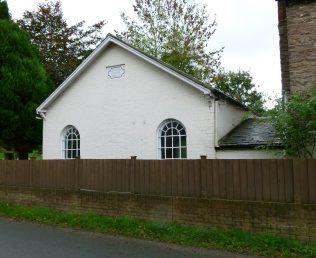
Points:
(119, 118)
(245, 154)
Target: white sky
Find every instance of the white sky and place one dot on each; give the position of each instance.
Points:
(246, 28)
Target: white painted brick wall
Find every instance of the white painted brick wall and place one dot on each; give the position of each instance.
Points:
(227, 118)
(119, 118)
(246, 154)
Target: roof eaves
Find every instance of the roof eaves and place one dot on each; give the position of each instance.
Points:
(206, 89)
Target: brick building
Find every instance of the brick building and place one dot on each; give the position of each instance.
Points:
(297, 29)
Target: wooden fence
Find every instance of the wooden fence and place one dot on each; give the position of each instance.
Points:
(253, 180)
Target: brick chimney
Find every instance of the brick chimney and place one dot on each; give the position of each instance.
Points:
(297, 30)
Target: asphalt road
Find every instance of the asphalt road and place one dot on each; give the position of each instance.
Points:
(26, 239)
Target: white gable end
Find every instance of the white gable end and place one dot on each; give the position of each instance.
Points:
(119, 117)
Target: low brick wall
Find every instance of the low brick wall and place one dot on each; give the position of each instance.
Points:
(297, 221)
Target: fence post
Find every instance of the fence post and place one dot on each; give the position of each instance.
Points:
(203, 176)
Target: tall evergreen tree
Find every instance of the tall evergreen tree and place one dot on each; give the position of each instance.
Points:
(4, 10)
(175, 31)
(23, 85)
(62, 47)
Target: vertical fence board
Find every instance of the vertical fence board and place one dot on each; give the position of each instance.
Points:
(274, 181)
(141, 176)
(180, 177)
(158, 187)
(216, 193)
(251, 180)
(289, 184)
(209, 178)
(236, 180)
(229, 179)
(304, 181)
(146, 176)
(114, 175)
(132, 176)
(243, 180)
(203, 192)
(174, 177)
(258, 180)
(281, 180)
(222, 179)
(197, 181)
(192, 178)
(162, 175)
(312, 180)
(185, 178)
(1, 172)
(266, 189)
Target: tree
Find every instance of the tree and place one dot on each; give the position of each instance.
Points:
(62, 47)
(295, 124)
(23, 84)
(239, 85)
(4, 10)
(177, 32)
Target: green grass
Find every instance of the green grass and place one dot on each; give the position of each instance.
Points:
(231, 240)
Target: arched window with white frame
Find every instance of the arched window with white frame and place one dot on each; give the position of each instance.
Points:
(172, 140)
(70, 143)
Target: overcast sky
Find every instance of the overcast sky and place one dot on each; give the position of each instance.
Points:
(246, 28)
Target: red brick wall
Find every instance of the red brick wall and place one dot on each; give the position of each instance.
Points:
(297, 28)
(297, 221)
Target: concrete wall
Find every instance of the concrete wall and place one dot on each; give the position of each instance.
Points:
(118, 118)
(293, 220)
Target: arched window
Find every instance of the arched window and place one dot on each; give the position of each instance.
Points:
(172, 140)
(71, 143)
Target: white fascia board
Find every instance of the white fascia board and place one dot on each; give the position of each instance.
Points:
(59, 90)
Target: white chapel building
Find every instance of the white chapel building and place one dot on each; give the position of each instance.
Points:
(121, 102)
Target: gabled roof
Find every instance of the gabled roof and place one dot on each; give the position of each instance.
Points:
(250, 133)
(110, 39)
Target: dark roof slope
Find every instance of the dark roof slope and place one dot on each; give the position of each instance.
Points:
(250, 133)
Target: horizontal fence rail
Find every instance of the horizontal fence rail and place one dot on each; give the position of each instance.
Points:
(288, 181)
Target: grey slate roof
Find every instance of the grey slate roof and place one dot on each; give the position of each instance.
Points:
(250, 133)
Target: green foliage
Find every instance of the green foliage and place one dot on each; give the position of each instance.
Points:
(232, 240)
(239, 85)
(295, 124)
(62, 47)
(4, 10)
(23, 84)
(177, 32)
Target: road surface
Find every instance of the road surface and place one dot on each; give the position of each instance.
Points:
(20, 239)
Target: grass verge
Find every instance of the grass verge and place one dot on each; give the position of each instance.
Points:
(230, 240)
